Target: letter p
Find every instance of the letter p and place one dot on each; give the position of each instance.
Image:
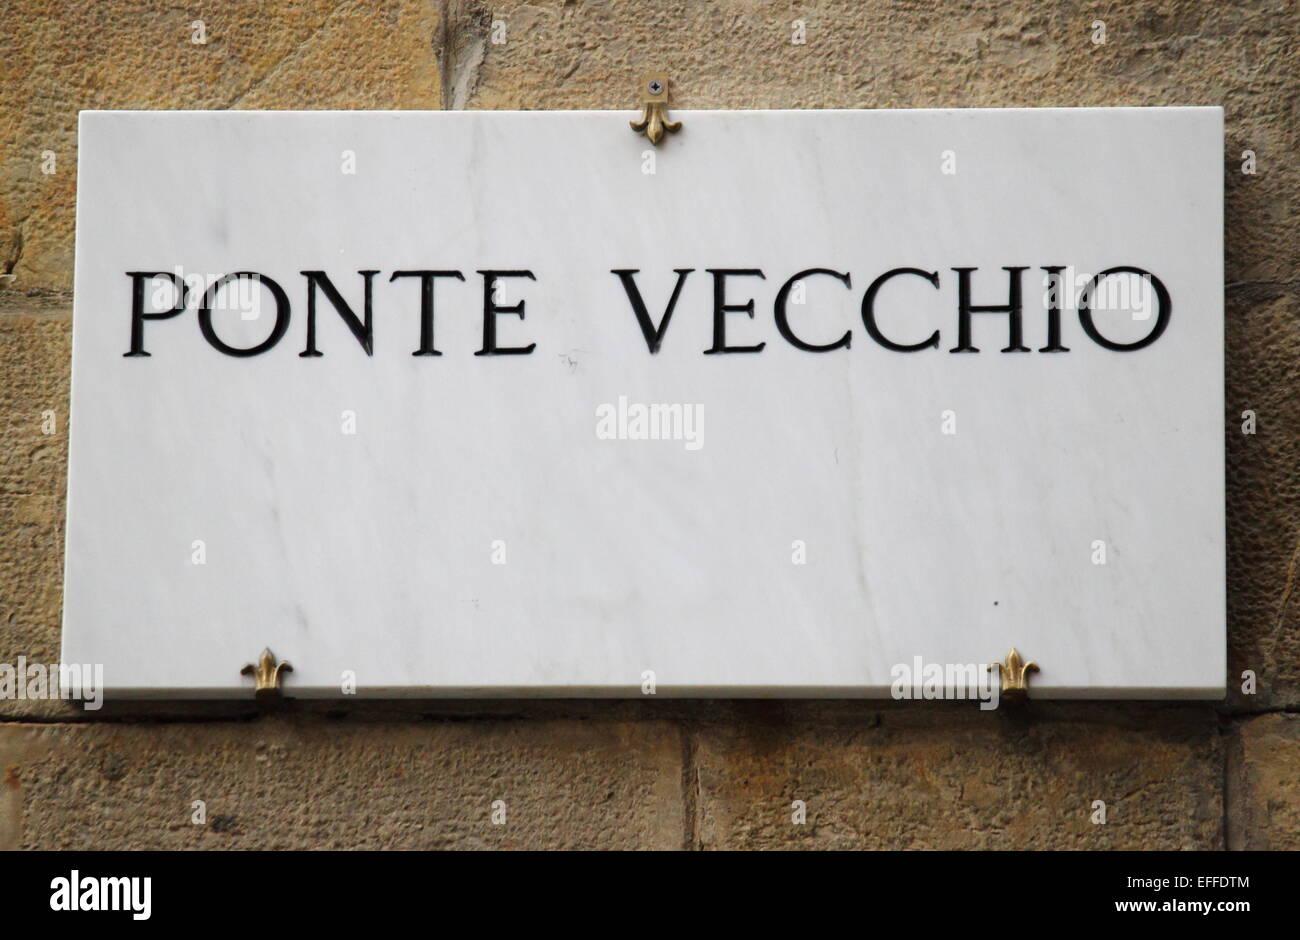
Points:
(139, 279)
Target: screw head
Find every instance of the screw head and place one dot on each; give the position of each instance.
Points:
(655, 86)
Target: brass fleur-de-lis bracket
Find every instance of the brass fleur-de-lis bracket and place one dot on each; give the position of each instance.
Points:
(266, 674)
(654, 118)
(1015, 673)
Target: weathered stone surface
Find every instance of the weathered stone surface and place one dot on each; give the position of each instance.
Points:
(35, 350)
(35, 363)
(1264, 784)
(59, 58)
(278, 783)
(957, 778)
(1263, 496)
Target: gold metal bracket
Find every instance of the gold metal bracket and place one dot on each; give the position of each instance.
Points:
(266, 675)
(654, 118)
(1015, 673)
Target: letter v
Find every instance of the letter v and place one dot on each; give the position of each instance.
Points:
(654, 335)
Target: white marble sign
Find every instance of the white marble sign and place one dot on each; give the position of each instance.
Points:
(934, 384)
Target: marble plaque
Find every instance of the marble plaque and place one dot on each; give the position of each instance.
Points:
(516, 404)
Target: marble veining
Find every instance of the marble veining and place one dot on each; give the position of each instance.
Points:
(569, 512)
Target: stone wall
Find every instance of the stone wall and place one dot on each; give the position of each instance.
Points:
(655, 773)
